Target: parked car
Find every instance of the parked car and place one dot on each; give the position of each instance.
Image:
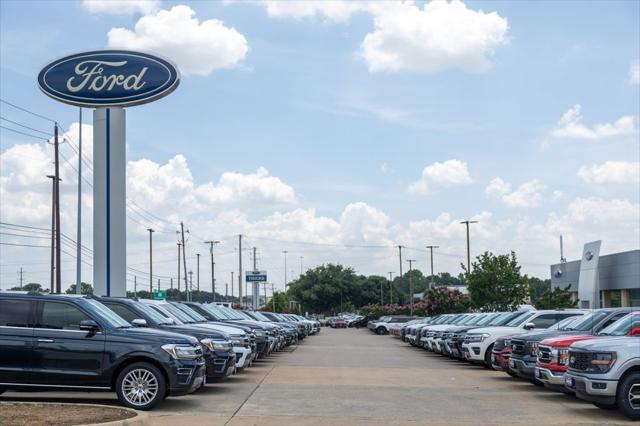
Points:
(75, 343)
(553, 353)
(338, 323)
(220, 360)
(381, 326)
(606, 371)
(478, 344)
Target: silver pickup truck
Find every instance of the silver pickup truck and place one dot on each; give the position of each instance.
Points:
(606, 371)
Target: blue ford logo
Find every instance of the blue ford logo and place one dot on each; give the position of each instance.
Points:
(108, 78)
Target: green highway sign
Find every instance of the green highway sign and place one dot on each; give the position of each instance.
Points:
(160, 295)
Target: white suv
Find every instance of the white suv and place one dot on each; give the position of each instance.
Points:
(478, 343)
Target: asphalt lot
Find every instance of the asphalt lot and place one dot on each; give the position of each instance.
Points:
(353, 377)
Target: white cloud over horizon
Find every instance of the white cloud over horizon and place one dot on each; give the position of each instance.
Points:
(611, 172)
(198, 47)
(570, 126)
(121, 7)
(528, 194)
(441, 175)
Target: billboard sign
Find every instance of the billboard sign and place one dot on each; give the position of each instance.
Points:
(256, 276)
(108, 78)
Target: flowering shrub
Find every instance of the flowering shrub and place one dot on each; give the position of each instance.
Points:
(435, 301)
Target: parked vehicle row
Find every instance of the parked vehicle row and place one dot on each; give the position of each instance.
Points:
(143, 350)
(592, 354)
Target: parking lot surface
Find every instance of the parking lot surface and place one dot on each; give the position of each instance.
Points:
(353, 377)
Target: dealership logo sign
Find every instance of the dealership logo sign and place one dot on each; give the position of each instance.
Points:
(109, 78)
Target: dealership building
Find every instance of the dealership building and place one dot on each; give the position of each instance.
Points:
(611, 280)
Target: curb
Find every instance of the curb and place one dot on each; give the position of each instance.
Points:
(140, 418)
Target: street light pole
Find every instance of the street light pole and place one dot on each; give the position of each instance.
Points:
(285, 269)
(391, 287)
(431, 249)
(411, 284)
(213, 267)
(467, 222)
(400, 255)
(151, 231)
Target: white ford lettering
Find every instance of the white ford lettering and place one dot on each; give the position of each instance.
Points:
(90, 75)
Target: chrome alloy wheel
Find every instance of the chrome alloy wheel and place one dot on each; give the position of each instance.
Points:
(139, 387)
(634, 396)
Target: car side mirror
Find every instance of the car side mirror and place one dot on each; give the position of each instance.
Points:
(635, 332)
(529, 326)
(139, 322)
(89, 325)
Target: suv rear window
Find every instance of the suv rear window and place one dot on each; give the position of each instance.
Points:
(15, 313)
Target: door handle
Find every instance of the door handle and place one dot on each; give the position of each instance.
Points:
(45, 340)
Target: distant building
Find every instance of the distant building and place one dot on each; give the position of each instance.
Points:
(611, 280)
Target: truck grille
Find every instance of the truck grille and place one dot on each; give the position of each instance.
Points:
(518, 347)
(544, 354)
(580, 360)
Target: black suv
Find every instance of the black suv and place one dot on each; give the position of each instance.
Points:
(219, 356)
(57, 343)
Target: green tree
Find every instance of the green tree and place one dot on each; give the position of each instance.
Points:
(538, 288)
(556, 298)
(85, 288)
(495, 282)
(325, 289)
(31, 288)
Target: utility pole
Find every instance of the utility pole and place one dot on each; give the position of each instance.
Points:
(467, 222)
(401, 276)
(431, 249)
(53, 233)
(190, 282)
(255, 288)
(381, 295)
(151, 231)
(226, 290)
(391, 287)
(301, 264)
(179, 244)
(171, 283)
(232, 284)
(285, 269)
(198, 272)
(184, 262)
(21, 278)
(79, 218)
(57, 209)
(158, 284)
(273, 296)
(411, 284)
(240, 268)
(213, 268)
(135, 286)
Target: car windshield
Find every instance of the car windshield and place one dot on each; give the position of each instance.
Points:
(485, 320)
(211, 311)
(259, 316)
(623, 326)
(504, 318)
(177, 313)
(568, 323)
(189, 311)
(153, 314)
(520, 319)
(588, 321)
(107, 315)
(230, 313)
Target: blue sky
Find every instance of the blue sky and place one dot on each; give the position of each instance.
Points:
(304, 103)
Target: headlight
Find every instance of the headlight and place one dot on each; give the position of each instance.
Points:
(237, 342)
(534, 348)
(476, 338)
(602, 362)
(506, 342)
(182, 351)
(216, 345)
(561, 356)
(259, 333)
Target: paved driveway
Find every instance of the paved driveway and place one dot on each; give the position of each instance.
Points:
(353, 377)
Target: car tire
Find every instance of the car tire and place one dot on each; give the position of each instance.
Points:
(2, 391)
(487, 356)
(153, 386)
(536, 382)
(605, 406)
(511, 373)
(381, 330)
(628, 388)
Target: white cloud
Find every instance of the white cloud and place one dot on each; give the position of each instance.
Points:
(441, 36)
(558, 195)
(334, 11)
(121, 7)
(441, 175)
(571, 126)
(197, 47)
(633, 77)
(529, 194)
(620, 172)
(386, 169)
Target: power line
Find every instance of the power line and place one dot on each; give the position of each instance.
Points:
(25, 126)
(23, 245)
(24, 133)
(27, 111)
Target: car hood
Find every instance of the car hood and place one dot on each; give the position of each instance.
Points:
(606, 344)
(197, 332)
(223, 328)
(565, 341)
(152, 334)
(537, 336)
(494, 331)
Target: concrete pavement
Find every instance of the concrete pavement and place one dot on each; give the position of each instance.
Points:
(353, 377)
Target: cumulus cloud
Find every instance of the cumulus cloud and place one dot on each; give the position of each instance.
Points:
(441, 175)
(633, 77)
(440, 36)
(333, 11)
(617, 172)
(197, 47)
(121, 7)
(571, 126)
(528, 194)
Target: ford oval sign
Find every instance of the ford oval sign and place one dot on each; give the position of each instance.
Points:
(108, 78)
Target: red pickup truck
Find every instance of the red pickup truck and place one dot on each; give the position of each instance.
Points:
(553, 353)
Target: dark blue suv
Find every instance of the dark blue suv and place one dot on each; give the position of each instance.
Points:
(54, 342)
